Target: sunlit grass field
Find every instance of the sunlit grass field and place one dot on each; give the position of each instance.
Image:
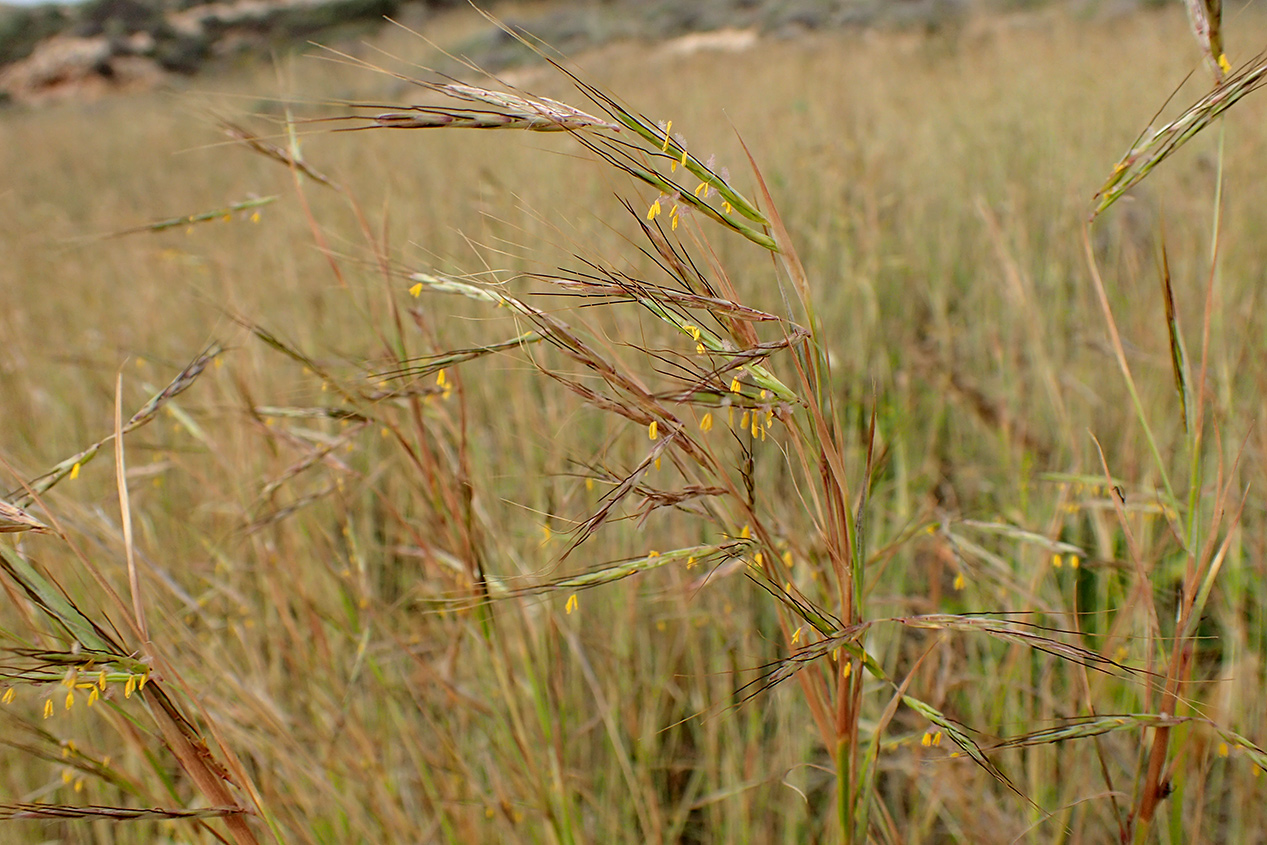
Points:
(348, 559)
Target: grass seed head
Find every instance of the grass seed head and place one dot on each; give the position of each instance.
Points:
(13, 520)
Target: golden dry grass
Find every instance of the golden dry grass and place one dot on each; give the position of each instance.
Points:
(935, 187)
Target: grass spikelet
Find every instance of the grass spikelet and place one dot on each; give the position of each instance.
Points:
(1156, 145)
(146, 414)
(14, 520)
(1206, 18)
(270, 150)
(225, 213)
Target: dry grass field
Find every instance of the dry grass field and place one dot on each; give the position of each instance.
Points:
(488, 514)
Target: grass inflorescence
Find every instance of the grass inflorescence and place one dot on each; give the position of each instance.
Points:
(848, 492)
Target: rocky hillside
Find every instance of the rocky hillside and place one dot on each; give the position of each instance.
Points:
(54, 51)
(96, 47)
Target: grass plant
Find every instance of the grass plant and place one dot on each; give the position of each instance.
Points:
(803, 471)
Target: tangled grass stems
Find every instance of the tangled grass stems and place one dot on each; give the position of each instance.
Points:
(98, 655)
(523, 701)
(817, 440)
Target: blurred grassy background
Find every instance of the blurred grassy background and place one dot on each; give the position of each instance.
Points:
(936, 183)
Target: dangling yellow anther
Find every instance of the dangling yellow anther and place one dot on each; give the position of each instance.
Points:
(572, 604)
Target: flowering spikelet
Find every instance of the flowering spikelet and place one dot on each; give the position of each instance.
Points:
(13, 519)
(1205, 17)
